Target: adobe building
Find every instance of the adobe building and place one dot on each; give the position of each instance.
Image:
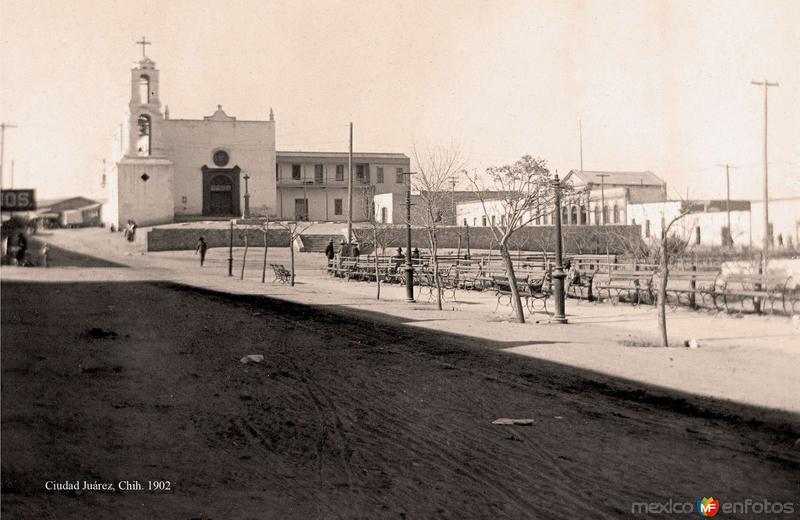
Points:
(219, 167)
(607, 195)
(313, 185)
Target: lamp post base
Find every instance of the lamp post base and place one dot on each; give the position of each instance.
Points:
(409, 284)
(230, 266)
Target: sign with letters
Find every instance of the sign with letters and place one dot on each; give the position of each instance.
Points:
(18, 200)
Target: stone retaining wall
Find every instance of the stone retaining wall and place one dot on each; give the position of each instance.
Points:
(576, 239)
(177, 239)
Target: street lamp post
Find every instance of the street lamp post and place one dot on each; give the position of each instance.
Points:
(558, 272)
(246, 196)
(409, 266)
(230, 251)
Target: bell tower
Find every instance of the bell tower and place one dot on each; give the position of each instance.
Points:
(144, 137)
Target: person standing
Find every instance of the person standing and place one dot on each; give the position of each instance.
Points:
(44, 253)
(22, 249)
(356, 250)
(330, 252)
(202, 247)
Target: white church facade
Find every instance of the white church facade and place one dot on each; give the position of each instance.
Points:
(163, 169)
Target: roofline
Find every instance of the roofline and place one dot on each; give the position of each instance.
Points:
(376, 155)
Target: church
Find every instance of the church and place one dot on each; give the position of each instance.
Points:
(165, 170)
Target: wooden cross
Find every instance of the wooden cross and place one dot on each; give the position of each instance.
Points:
(143, 43)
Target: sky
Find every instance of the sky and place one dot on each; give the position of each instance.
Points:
(656, 85)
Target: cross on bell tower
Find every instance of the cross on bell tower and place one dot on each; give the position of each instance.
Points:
(143, 43)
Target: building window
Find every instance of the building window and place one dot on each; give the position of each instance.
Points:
(584, 215)
(697, 235)
(573, 219)
(379, 180)
(296, 172)
(647, 228)
(492, 220)
(605, 214)
(144, 88)
(596, 215)
(616, 214)
(384, 215)
(399, 177)
(474, 221)
(277, 172)
(465, 222)
(633, 222)
(143, 144)
(221, 158)
(340, 172)
(361, 174)
(483, 220)
(337, 206)
(319, 174)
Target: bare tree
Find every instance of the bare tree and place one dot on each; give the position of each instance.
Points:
(244, 257)
(434, 166)
(378, 233)
(294, 228)
(668, 246)
(265, 231)
(522, 192)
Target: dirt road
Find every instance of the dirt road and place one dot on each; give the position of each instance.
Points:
(345, 418)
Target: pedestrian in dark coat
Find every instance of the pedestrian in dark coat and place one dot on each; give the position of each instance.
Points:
(356, 251)
(329, 250)
(22, 249)
(202, 247)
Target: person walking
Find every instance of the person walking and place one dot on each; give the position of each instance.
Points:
(22, 249)
(330, 252)
(202, 247)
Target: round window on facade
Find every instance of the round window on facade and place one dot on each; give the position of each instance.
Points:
(221, 158)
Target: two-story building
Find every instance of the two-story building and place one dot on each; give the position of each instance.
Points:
(313, 185)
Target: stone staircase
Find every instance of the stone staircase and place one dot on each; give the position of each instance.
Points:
(317, 243)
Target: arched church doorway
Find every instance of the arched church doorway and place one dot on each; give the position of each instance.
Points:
(221, 195)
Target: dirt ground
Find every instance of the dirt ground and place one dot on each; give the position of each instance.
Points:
(347, 417)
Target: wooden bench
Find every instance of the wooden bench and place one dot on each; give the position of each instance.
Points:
(345, 267)
(532, 291)
(773, 291)
(692, 288)
(282, 274)
(636, 286)
(581, 285)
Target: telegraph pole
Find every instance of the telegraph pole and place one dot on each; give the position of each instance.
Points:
(603, 195)
(727, 167)
(350, 190)
(3, 127)
(767, 242)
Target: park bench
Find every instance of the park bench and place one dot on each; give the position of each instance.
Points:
(345, 267)
(692, 288)
(532, 291)
(635, 286)
(773, 291)
(282, 274)
(580, 287)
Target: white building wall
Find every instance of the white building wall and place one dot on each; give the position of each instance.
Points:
(148, 202)
(385, 201)
(652, 217)
(190, 144)
(784, 215)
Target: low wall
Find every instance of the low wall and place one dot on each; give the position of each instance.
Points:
(576, 239)
(178, 239)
